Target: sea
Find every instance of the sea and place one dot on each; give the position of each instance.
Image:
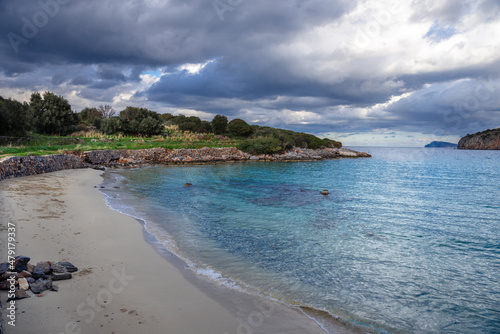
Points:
(407, 241)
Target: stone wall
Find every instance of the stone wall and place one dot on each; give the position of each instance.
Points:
(23, 166)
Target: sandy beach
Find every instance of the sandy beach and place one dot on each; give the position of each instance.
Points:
(123, 284)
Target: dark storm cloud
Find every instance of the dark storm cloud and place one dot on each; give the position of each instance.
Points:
(255, 66)
(151, 32)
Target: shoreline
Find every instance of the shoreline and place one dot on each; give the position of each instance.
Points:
(61, 216)
(17, 166)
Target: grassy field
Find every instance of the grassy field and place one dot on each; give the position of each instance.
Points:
(88, 141)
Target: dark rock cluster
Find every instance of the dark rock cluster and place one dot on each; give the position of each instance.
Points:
(23, 279)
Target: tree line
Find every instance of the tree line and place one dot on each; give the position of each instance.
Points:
(50, 114)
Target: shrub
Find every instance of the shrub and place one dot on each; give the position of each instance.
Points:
(166, 117)
(110, 125)
(82, 127)
(15, 117)
(239, 128)
(90, 115)
(191, 123)
(219, 124)
(140, 121)
(205, 127)
(263, 145)
(53, 114)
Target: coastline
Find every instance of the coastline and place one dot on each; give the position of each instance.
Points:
(17, 166)
(62, 216)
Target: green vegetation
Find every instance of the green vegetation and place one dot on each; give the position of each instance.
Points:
(219, 124)
(50, 126)
(15, 118)
(89, 141)
(267, 140)
(140, 121)
(484, 133)
(52, 114)
(239, 127)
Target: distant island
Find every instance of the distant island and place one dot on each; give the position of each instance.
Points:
(441, 144)
(485, 140)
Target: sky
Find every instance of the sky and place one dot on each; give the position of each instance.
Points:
(367, 73)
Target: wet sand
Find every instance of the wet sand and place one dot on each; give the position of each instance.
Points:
(123, 284)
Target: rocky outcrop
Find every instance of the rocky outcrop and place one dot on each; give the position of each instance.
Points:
(486, 140)
(301, 154)
(23, 166)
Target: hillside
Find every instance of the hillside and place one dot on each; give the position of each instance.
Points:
(486, 140)
(441, 144)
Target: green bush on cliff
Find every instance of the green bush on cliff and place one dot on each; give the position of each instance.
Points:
(263, 145)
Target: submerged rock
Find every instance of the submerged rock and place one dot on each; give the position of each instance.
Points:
(325, 192)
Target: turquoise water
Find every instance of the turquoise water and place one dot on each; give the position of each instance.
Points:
(407, 241)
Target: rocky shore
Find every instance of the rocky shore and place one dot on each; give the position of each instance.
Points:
(11, 167)
(486, 140)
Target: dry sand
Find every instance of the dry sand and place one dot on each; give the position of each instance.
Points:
(123, 284)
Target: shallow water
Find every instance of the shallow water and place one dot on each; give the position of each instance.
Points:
(407, 241)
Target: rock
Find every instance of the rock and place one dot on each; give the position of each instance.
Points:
(24, 274)
(4, 267)
(21, 263)
(5, 285)
(40, 286)
(325, 192)
(42, 269)
(30, 280)
(188, 185)
(31, 268)
(57, 268)
(70, 267)
(23, 284)
(54, 288)
(61, 276)
(4, 276)
(254, 158)
(20, 294)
